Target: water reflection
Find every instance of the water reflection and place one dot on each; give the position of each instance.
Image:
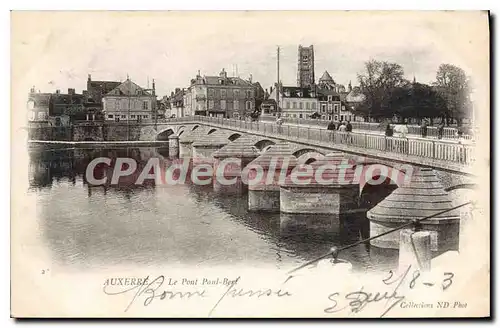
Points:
(88, 225)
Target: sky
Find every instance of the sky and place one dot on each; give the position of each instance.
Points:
(57, 50)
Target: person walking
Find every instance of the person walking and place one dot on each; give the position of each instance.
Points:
(441, 130)
(342, 130)
(330, 128)
(404, 139)
(348, 129)
(388, 133)
(279, 123)
(423, 128)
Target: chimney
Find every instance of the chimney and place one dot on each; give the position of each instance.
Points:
(32, 90)
(71, 91)
(172, 94)
(250, 78)
(89, 78)
(177, 90)
(349, 87)
(58, 91)
(154, 90)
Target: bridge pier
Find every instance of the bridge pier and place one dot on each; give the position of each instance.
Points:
(423, 196)
(276, 163)
(173, 146)
(203, 149)
(229, 161)
(334, 192)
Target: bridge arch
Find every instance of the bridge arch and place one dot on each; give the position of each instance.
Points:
(234, 136)
(195, 127)
(164, 134)
(180, 133)
(266, 148)
(307, 155)
(263, 143)
(180, 128)
(211, 131)
(377, 181)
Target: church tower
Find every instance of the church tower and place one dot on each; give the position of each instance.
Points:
(305, 71)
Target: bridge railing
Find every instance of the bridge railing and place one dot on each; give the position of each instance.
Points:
(445, 150)
(432, 131)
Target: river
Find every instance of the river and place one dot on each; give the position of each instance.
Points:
(85, 226)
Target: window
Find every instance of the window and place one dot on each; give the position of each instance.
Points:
(300, 105)
(294, 105)
(336, 118)
(329, 108)
(237, 94)
(323, 117)
(349, 117)
(313, 105)
(294, 115)
(336, 108)
(248, 105)
(236, 105)
(342, 118)
(42, 115)
(236, 115)
(343, 107)
(210, 104)
(223, 93)
(145, 116)
(210, 92)
(308, 105)
(110, 116)
(329, 98)
(223, 104)
(132, 116)
(300, 115)
(329, 117)
(285, 104)
(145, 104)
(323, 108)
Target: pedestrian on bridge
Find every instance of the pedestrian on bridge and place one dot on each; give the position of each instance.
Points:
(330, 128)
(279, 123)
(348, 129)
(423, 128)
(342, 130)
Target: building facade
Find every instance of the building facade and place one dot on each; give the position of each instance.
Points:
(38, 106)
(129, 102)
(305, 69)
(220, 96)
(296, 102)
(177, 102)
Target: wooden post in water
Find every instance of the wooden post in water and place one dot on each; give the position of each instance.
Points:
(415, 250)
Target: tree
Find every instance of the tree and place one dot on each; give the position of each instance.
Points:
(416, 100)
(453, 85)
(378, 81)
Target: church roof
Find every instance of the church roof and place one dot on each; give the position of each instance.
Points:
(326, 78)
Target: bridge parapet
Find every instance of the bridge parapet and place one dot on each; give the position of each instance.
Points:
(441, 154)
